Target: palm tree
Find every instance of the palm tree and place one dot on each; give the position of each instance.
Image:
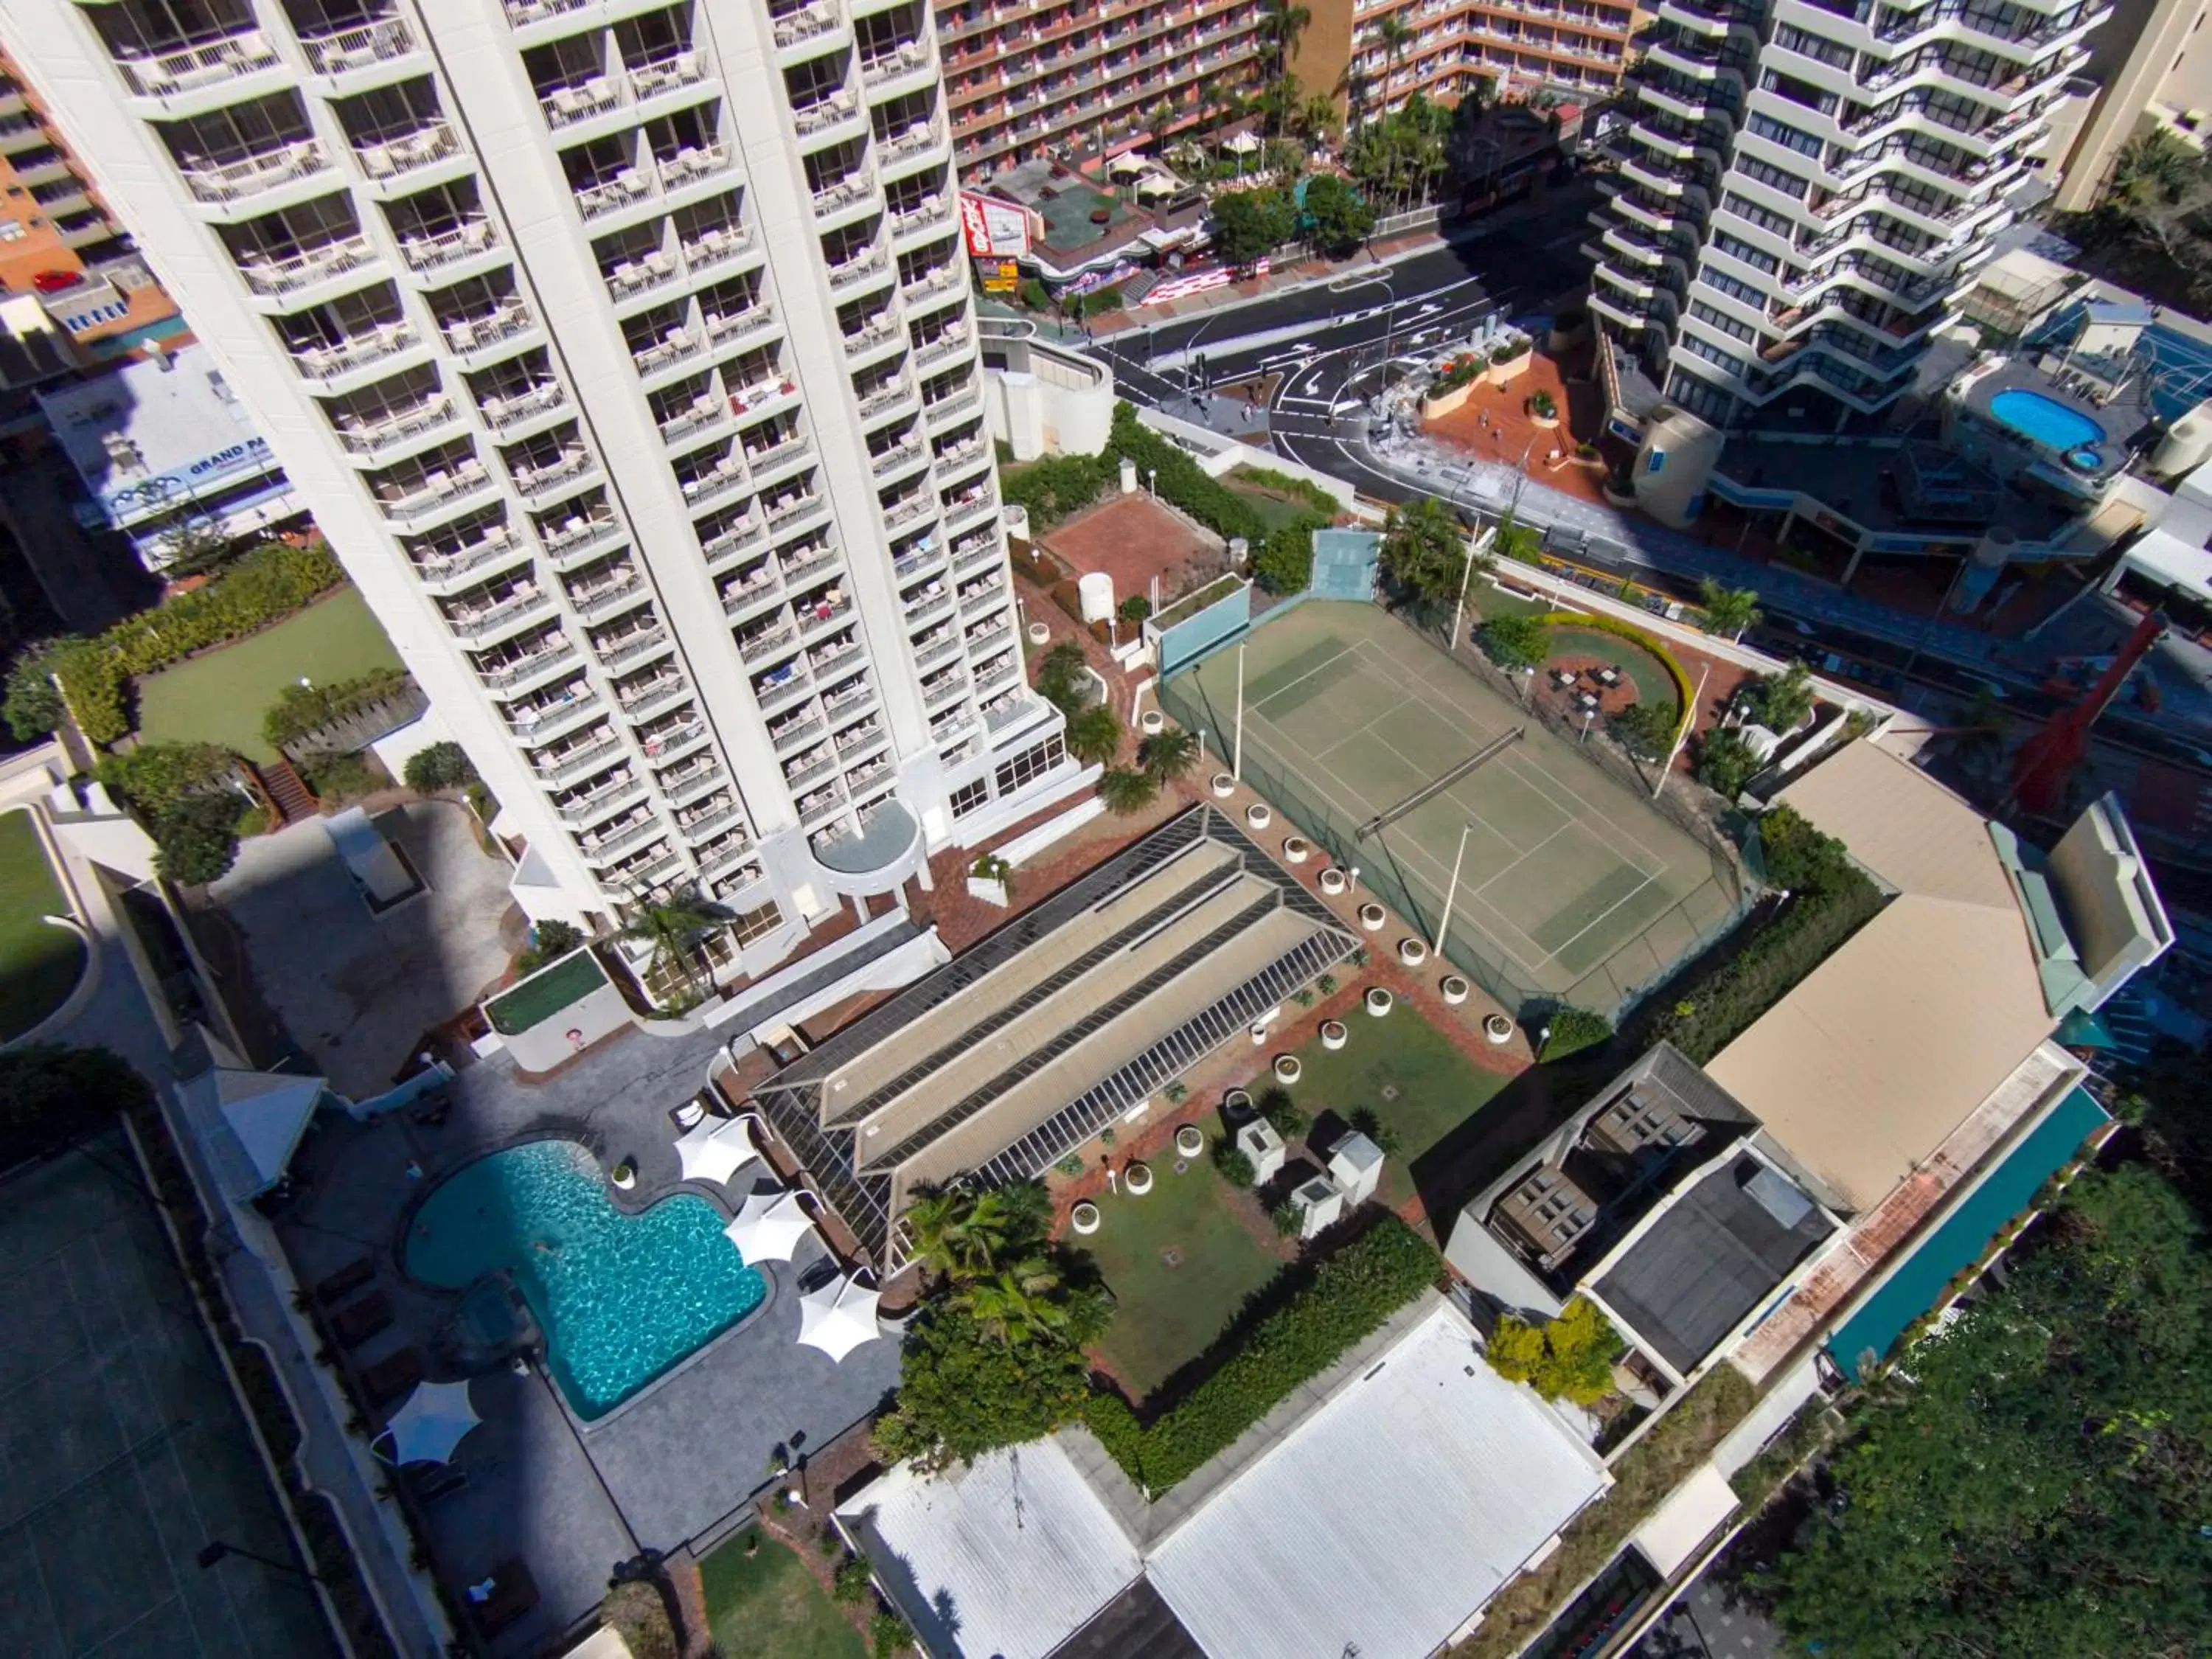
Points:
(1395, 35)
(1160, 118)
(1282, 24)
(1728, 610)
(1060, 671)
(676, 927)
(959, 1233)
(1094, 735)
(1318, 119)
(1127, 791)
(1169, 755)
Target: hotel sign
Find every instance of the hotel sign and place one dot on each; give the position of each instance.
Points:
(994, 229)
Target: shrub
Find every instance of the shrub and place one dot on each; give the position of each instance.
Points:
(1370, 1123)
(33, 705)
(1106, 299)
(268, 583)
(157, 776)
(888, 1634)
(1351, 1293)
(1783, 701)
(638, 1614)
(299, 709)
(1684, 692)
(1541, 405)
(1726, 762)
(1465, 369)
(1125, 791)
(1094, 734)
(1570, 1358)
(855, 1579)
(1510, 352)
(1802, 858)
(1133, 609)
(1069, 1165)
(1513, 641)
(1060, 676)
(550, 941)
(196, 838)
(1032, 294)
(1287, 1218)
(1326, 984)
(1176, 1093)
(1572, 1031)
(1764, 969)
(1283, 562)
(1057, 486)
(441, 766)
(1286, 484)
(1645, 730)
(1281, 1112)
(342, 778)
(1236, 1168)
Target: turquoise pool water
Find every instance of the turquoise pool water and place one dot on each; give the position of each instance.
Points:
(621, 1297)
(2045, 420)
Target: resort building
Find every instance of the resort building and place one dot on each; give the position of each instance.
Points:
(1377, 53)
(624, 354)
(1020, 1051)
(2150, 67)
(1021, 79)
(1803, 192)
(62, 249)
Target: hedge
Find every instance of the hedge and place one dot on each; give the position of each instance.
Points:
(1054, 487)
(273, 580)
(1715, 1009)
(301, 710)
(1352, 1293)
(1685, 694)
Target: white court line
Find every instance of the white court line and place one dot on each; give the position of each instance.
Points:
(1648, 881)
(1349, 650)
(1526, 855)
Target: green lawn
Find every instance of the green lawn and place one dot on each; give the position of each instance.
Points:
(1180, 1263)
(38, 962)
(1275, 510)
(221, 697)
(1403, 1067)
(536, 1000)
(1646, 672)
(770, 1607)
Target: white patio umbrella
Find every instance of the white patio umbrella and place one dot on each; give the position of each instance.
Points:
(436, 1419)
(1242, 143)
(1126, 163)
(716, 1148)
(767, 1226)
(837, 1318)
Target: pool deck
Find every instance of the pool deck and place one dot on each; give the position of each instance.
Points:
(677, 1460)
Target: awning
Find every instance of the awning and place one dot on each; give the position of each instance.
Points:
(837, 1318)
(767, 1226)
(436, 1420)
(716, 1148)
(250, 1124)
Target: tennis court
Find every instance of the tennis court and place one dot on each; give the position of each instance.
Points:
(1571, 887)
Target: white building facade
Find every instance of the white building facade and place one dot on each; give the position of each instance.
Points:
(1807, 186)
(624, 352)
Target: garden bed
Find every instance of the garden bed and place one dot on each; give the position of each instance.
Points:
(545, 994)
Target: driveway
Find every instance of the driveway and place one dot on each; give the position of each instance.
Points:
(358, 991)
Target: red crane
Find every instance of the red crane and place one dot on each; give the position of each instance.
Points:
(2046, 760)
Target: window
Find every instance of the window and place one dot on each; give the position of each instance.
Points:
(1736, 248)
(12, 230)
(1774, 178)
(969, 796)
(757, 923)
(1743, 293)
(1718, 320)
(1030, 764)
(1766, 127)
(1749, 211)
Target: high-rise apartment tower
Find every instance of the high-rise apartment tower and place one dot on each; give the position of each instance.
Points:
(624, 351)
(1806, 187)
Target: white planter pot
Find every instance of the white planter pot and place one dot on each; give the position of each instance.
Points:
(1497, 1029)
(1224, 786)
(1372, 916)
(1298, 849)
(1333, 1034)
(1334, 881)
(1454, 989)
(623, 1178)
(1152, 722)
(1236, 1101)
(1190, 1141)
(1137, 1179)
(1412, 952)
(1084, 1218)
(1259, 1035)
(1288, 1068)
(990, 891)
(1039, 634)
(1258, 815)
(1379, 1001)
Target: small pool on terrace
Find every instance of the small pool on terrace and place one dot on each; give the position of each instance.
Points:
(621, 1297)
(2044, 420)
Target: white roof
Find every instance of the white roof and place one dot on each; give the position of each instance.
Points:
(1386, 1519)
(1670, 1535)
(171, 417)
(2170, 561)
(1013, 1554)
(249, 1124)
(714, 1149)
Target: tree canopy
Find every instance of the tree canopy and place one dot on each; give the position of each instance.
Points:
(51, 1096)
(1248, 224)
(2041, 1482)
(1337, 217)
(1424, 553)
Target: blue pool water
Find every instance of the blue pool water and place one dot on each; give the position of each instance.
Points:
(621, 1297)
(2045, 420)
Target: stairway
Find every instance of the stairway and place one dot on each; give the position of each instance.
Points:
(290, 798)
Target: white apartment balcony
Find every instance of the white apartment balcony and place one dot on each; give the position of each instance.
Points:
(953, 405)
(938, 279)
(521, 14)
(912, 564)
(822, 807)
(766, 645)
(730, 860)
(576, 760)
(727, 543)
(881, 330)
(800, 30)
(651, 695)
(712, 816)
(536, 479)
(798, 566)
(781, 687)
(899, 458)
(578, 536)
(974, 551)
(568, 106)
(504, 411)
(524, 669)
(549, 715)
(649, 273)
(1001, 673)
(442, 569)
(820, 613)
(706, 410)
(926, 217)
(426, 255)
(909, 510)
(936, 648)
(389, 160)
(621, 789)
(856, 741)
(388, 47)
(725, 330)
(858, 267)
(717, 246)
(485, 624)
(672, 736)
(250, 181)
(947, 345)
(289, 276)
(859, 778)
(845, 200)
(725, 477)
(764, 460)
(936, 693)
(837, 114)
(204, 76)
(904, 151)
(908, 67)
(381, 436)
(789, 511)
(801, 729)
(595, 602)
(979, 598)
(883, 400)
(651, 870)
(439, 494)
(692, 165)
(335, 360)
(604, 846)
(969, 505)
(760, 587)
(678, 346)
(925, 604)
(472, 337)
(811, 767)
(610, 196)
(632, 645)
(950, 728)
(851, 695)
(686, 783)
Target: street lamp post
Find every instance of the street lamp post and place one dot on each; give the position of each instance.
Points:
(1444, 922)
(1476, 547)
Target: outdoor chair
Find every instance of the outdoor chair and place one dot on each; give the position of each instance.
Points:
(346, 1281)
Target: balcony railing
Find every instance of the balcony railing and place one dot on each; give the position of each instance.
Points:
(576, 533)
(237, 181)
(475, 623)
(276, 276)
(510, 670)
(208, 65)
(368, 436)
(804, 22)
(515, 407)
(566, 105)
(325, 362)
(569, 465)
(852, 187)
(471, 334)
(859, 267)
(403, 501)
(353, 49)
(576, 762)
(391, 158)
(909, 56)
(630, 646)
(826, 112)
(501, 542)
(425, 253)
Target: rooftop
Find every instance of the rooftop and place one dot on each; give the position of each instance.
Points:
(1058, 1023)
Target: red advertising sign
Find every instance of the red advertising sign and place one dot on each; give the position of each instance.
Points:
(994, 229)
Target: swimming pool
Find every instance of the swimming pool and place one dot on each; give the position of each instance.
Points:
(2045, 420)
(621, 1297)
